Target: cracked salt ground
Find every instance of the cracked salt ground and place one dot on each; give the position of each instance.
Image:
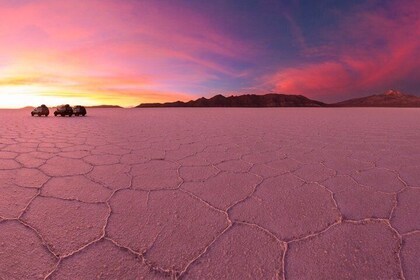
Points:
(211, 194)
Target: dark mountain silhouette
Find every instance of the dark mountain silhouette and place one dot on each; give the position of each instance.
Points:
(248, 100)
(391, 98)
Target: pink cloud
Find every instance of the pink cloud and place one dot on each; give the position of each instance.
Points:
(371, 51)
(72, 24)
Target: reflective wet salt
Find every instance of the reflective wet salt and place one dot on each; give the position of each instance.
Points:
(211, 194)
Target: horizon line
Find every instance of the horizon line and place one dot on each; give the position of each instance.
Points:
(232, 95)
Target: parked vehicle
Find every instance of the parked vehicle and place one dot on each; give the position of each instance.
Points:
(79, 110)
(40, 111)
(64, 110)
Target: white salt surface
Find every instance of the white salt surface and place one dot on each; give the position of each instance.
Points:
(295, 193)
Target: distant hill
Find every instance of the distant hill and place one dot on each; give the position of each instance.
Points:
(391, 98)
(104, 106)
(249, 100)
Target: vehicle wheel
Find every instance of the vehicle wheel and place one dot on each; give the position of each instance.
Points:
(39, 114)
(32, 114)
(70, 115)
(84, 115)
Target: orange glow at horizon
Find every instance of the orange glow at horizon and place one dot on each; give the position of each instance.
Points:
(19, 92)
(32, 81)
(13, 97)
(19, 96)
(52, 84)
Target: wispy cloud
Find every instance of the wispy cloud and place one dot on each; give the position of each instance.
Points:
(371, 50)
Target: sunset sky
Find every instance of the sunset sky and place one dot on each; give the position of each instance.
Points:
(127, 52)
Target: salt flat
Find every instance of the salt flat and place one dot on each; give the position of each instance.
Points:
(211, 194)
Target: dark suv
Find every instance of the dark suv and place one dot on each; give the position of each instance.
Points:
(40, 111)
(79, 110)
(64, 110)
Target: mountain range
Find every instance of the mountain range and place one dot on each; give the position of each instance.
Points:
(248, 100)
(391, 98)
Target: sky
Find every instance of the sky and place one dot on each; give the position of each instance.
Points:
(127, 52)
